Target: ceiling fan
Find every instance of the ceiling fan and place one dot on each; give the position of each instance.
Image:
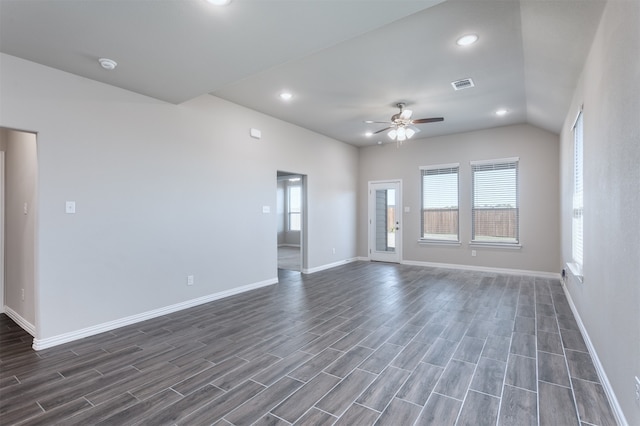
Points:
(402, 125)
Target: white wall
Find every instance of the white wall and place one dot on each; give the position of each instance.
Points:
(539, 196)
(608, 302)
(162, 192)
(20, 185)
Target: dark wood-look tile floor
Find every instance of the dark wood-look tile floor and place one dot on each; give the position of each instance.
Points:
(364, 343)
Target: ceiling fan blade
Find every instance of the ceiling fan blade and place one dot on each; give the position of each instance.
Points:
(427, 120)
(382, 130)
(376, 122)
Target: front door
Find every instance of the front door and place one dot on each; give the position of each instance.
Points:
(385, 236)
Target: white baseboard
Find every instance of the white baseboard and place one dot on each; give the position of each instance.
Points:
(39, 344)
(604, 380)
(540, 274)
(23, 323)
(328, 266)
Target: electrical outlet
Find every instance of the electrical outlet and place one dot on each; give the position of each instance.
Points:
(334, 250)
(190, 280)
(637, 390)
(23, 294)
(473, 253)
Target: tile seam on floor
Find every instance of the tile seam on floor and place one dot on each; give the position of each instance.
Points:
(566, 363)
(470, 381)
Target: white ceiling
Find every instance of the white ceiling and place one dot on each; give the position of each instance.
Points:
(345, 61)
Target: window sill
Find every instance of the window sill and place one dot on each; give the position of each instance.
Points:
(438, 243)
(576, 271)
(508, 246)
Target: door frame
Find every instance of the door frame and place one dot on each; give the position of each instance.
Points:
(2, 236)
(303, 217)
(397, 258)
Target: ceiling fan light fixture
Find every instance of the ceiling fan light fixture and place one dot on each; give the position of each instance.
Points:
(402, 126)
(467, 40)
(401, 134)
(410, 132)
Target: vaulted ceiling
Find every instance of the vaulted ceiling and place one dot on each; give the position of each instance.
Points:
(344, 61)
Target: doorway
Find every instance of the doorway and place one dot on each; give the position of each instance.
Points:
(2, 148)
(385, 236)
(291, 218)
(19, 212)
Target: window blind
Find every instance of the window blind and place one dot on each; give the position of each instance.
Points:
(294, 205)
(440, 203)
(578, 201)
(495, 205)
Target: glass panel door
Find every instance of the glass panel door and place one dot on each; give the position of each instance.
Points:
(384, 221)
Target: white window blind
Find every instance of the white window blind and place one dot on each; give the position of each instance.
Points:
(294, 207)
(440, 203)
(495, 206)
(577, 223)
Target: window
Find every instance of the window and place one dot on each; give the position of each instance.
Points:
(440, 203)
(294, 204)
(495, 205)
(576, 223)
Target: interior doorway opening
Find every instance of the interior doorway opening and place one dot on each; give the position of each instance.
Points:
(291, 218)
(18, 217)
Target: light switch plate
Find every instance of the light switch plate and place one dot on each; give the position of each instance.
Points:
(266, 209)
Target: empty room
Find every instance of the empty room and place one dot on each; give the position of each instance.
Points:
(318, 212)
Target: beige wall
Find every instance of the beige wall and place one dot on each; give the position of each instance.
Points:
(539, 196)
(162, 191)
(608, 301)
(19, 237)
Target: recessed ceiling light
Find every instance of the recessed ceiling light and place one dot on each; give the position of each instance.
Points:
(368, 134)
(501, 112)
(108, 64)
(466, 40)
(285, 96)
(219, 2)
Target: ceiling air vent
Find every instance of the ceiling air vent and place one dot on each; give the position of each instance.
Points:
(465, 83)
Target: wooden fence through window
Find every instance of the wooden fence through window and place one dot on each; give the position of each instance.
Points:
(501, 223)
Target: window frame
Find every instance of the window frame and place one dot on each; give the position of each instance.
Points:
(441, 169)
(477, 166)
(290, 212)
(577, 202)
